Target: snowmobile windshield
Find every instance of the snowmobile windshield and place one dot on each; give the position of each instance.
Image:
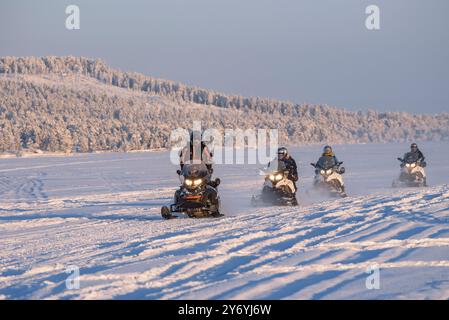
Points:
(195, 170)
(411, 157)
(275, 166)
(326, 163)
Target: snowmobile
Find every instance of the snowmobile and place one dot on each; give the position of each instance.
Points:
(277, 188)
(197, 196)
(412, 173)
(329, 177)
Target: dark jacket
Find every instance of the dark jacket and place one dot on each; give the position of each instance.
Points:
(325, 158)
(290, 164)
(187, 154)
(415, 155)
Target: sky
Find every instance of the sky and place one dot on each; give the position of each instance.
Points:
(304, 51)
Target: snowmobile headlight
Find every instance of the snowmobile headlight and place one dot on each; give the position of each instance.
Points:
(188, 182)
(197, 182)
(323, 172)
(407, 165)
(413, 165)
(279, 176)
(272, 177)
(329, 171)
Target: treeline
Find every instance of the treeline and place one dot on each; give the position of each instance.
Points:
(76, 104)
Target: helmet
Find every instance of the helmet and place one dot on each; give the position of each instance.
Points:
(282, 152)
(414, 146)
(327, 149)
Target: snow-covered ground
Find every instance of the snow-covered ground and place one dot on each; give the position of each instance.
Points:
(100, 213)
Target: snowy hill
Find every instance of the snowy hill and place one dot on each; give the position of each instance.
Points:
(100, 212)
(74, 104)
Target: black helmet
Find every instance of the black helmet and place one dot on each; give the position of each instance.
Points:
(327, 148)
(414, 146)
(282, 152)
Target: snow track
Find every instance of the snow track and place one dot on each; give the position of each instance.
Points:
(125, 250)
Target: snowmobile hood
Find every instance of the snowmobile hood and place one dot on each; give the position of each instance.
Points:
(195, 170)
(275, 166)
(411, 157)
(326, 163)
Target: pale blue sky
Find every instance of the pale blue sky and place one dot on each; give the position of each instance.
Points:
(315, 51)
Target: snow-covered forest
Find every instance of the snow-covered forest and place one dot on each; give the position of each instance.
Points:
(75, 104)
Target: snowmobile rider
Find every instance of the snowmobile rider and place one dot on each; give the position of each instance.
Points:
(327, 154)
(415, 153)
(197, 150)
(290, 164)
(417, 156)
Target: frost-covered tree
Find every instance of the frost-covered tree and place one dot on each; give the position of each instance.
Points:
(81, 105)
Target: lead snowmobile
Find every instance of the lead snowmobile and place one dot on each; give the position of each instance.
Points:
(196, 197)
(412, 172)
(328, 177)
(277, 188)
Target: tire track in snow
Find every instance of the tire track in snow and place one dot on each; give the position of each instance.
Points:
(184, 257)
(191, 264)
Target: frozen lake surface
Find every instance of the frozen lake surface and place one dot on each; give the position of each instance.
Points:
(101, 213)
